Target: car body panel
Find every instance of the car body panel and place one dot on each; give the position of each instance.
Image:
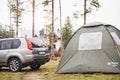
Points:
(22, 52)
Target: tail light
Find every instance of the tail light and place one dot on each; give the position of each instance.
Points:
(29, 44)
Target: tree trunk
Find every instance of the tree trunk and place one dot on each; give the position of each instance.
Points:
(85, 12)
(52, 46)
(60, 21)
(33, 18)
(17, 19)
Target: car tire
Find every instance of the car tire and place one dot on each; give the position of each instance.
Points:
(15, 64)
(35, 66)
(0, 67)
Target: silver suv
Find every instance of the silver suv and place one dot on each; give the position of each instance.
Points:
(15, 53)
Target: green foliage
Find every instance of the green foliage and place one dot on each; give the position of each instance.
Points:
(16, 10)
(67, 31)
(46, 2)
(6, 33)
(48, 26)
(95, 3)
(91, 5)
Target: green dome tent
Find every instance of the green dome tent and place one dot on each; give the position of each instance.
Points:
(92, 48)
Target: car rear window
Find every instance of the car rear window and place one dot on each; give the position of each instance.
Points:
(37, 43)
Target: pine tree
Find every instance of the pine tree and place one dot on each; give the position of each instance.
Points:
(89, 6)
(7, 33)
(67, 31)
(15, 12)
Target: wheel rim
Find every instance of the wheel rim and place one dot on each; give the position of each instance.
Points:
(14, 65)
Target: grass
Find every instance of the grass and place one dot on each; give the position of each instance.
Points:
(7, 75)
(51, 67)
(48, 70)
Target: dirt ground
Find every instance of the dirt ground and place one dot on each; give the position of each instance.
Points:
(31, 76)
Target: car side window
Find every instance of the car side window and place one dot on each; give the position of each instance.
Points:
(6, 44)
(0, 44)
(16, 43)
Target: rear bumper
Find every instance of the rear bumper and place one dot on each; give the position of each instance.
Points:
(41, 59)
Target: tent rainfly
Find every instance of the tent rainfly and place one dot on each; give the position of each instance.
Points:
(92, 48)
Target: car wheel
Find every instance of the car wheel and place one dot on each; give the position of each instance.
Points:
(15, 64)
(35, 66)
(0, 67)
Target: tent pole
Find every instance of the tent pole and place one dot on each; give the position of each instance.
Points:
(115, 44)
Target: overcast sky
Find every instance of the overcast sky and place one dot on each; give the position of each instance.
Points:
(109, 12)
